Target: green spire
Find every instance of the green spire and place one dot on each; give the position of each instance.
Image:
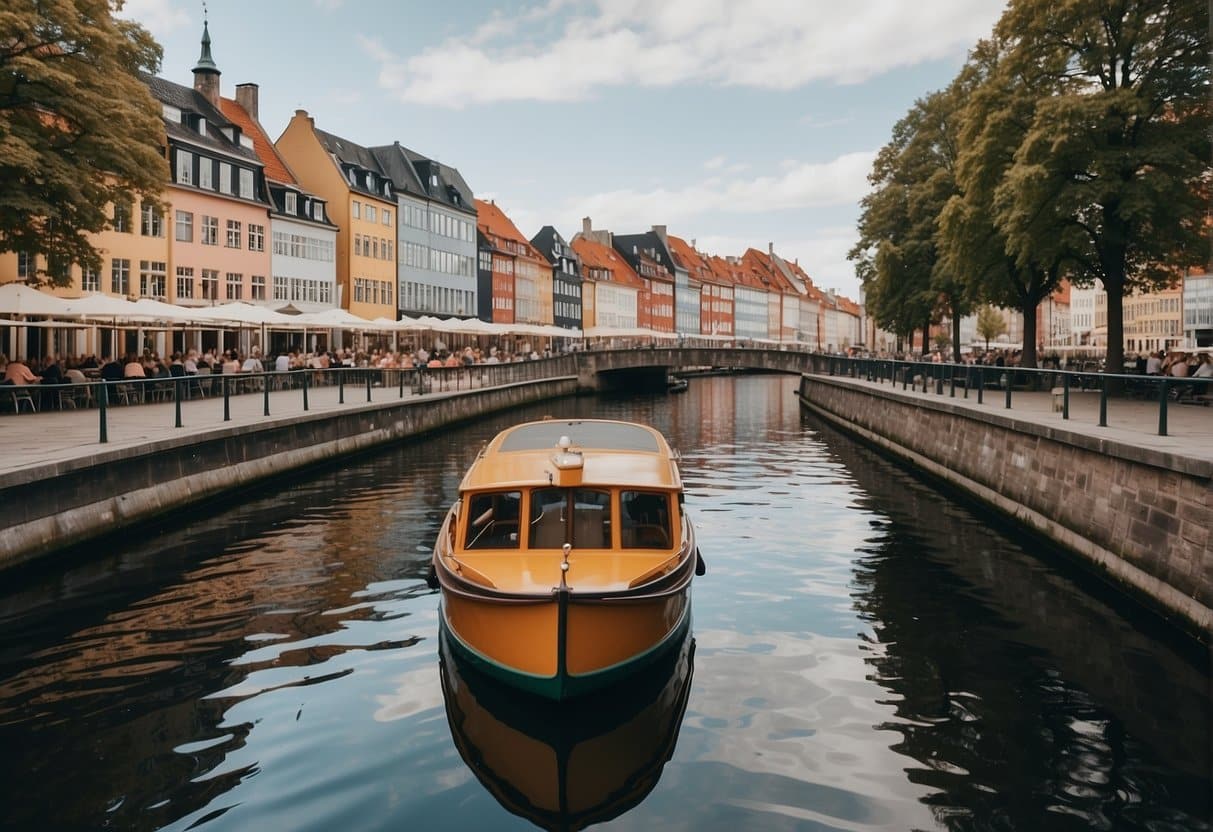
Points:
(205, 62)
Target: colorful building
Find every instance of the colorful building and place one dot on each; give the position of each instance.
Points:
(361, 201)
(522, 277)
(614, 286)
(303, 242)
(650, 259)
(436, 234)
(566, 277)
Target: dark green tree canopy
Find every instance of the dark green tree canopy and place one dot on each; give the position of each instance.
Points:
(78, 128)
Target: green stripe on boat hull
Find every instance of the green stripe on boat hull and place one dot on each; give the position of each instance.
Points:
(562, 685)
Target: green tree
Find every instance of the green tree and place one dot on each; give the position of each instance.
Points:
(1112, 171)
(990, 324)
(79, 129)
(906, 281)
(999, 106)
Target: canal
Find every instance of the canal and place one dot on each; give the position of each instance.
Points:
(867, 654)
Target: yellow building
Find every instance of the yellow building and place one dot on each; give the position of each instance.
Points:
(361, 202)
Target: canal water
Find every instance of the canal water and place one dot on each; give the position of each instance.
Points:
(867, 653)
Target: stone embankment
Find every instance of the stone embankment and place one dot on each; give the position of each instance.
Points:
(1139, 515)
(81, 496)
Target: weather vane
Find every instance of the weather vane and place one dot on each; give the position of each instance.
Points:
(204, 11)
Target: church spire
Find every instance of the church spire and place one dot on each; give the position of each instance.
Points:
(206, 73)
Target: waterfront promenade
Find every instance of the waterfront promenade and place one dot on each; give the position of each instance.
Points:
(31, 440)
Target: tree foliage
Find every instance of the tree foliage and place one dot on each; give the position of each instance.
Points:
(78, 128)
(1111, 174)
(906, 283)
(990, 324)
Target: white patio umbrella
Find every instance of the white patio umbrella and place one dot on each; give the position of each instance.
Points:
(20, 299)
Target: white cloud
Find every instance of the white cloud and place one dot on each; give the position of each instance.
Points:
(157, 16)
(714, 163)
(770, 44)
(840, 181)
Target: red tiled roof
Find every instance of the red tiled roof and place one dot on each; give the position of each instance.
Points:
(597, 256)
(498, 227)
(275, 168)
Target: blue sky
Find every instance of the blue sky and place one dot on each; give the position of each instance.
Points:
(733, 123)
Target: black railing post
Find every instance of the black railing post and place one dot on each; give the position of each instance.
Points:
(1065, 396)
(227, 398)
(265, 392)
(1009, 376)
(400, 374)
(1162, 408)
(177, 400)
(306, 382)
(102, 407)
(340, 387)
(905, 376)
(1103, 402)
(368, 385)
(981, 383)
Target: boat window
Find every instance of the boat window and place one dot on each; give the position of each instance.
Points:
(644, 520)
(591, 519)
(549, 508)
(493, 520)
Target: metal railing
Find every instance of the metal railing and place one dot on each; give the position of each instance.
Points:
(354, 385)
(1004, 381)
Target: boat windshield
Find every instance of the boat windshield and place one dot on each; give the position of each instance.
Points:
(644, 520)
(551, 508)
(493, 520)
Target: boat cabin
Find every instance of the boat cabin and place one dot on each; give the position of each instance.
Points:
(585, 517)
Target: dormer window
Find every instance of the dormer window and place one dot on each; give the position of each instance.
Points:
(387, 188)
(433, 180)
(289, 203)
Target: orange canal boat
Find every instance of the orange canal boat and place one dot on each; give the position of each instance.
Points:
(566, 563)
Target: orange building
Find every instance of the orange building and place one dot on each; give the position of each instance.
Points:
(361, 202)
(522, 277)
(611, 289)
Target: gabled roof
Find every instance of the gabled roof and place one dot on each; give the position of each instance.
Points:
(497, 227)
(546, 242)
(597, 256)
(275, 167)
(189, 100)
(649, 243)
(352, 154)
(763, 264)
(411, 173)
(691, 260)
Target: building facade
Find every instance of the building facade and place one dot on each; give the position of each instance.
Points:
(566, 277)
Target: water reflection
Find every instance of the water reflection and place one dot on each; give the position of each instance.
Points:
(572, 764)
(1026, 704)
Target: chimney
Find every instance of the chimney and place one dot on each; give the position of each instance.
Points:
(693, 246)
(246, 97)
(659, 230)
(771, 249)
(586, 226)
(206, 74)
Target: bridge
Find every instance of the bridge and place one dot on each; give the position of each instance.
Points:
(643, 368)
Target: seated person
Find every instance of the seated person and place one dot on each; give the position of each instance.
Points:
(18, 373)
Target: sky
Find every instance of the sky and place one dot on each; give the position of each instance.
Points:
(735, 124)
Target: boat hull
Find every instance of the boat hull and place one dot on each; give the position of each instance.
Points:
(563, 646)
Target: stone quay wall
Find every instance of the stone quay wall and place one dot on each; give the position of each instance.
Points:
(1141, 518)
(54, 506)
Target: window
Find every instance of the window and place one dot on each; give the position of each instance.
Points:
(185, 168)
(256, 237)
(258, 287)
(152, 221)
(120, 274)
(370, 213)
(185, 282)
(644, 518)
(210, 231)
(387, 216)
(280, 288)
(225, 178)
(185, 227)
(233, 234)
(356, 209)
(122, 216)
(375, 248)
(318, 211)
(235, 286)
(246, 183)
(152, 279)
(90, 281)
(210, 284)
(493, 520)
(206, 173)
(358, 244)
(25, 265)
(290, 201)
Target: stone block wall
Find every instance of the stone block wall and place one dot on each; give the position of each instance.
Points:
(1140, 517)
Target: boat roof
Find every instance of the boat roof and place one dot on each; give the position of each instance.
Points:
(614, 453)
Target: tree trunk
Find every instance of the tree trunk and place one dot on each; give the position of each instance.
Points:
(956, 339)
(1027, 358)
(926, 337)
